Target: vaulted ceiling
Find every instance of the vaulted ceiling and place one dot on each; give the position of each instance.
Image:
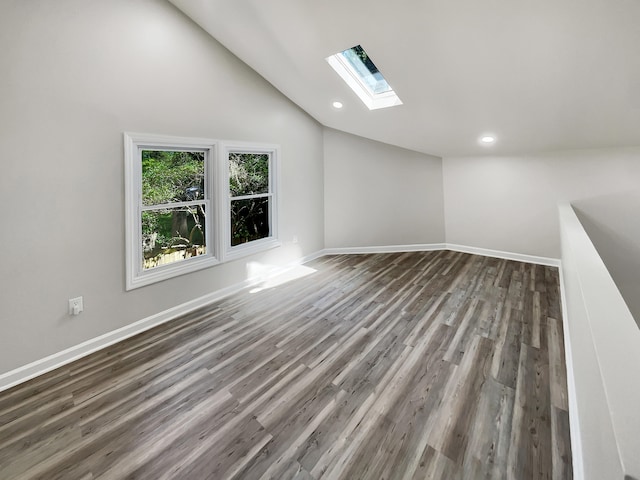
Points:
(537, 74)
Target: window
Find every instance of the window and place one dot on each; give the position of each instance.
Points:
(357, 69)
(186, 210)
(170, 207)
(251, 172)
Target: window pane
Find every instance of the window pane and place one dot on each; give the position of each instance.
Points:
(248, 173)
(172, 235)
(249, 220)
(366, 69)
(169, 177)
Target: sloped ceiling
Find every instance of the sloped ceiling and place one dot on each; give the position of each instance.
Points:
(538, 74)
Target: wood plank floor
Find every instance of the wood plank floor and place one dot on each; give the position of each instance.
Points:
(426, 365)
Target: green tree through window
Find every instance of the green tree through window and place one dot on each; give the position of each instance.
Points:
(172, 187)
(249, 189)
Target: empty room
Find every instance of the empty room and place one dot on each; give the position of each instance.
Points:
(319, 240)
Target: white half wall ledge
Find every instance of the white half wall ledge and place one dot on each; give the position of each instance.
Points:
(577, 460)
(57, 360)
(604, 344)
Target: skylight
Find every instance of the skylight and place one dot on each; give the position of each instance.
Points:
(359, 72)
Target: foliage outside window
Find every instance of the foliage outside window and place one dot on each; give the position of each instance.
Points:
(185, 210)
(173, 215)
(170, 214)
(249, 190)
(252, 198)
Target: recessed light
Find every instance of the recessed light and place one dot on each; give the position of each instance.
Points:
(488, 139)
(337, 104)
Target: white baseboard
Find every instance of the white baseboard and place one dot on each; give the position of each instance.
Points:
(76, 352)
(574, 423)
(427, 247)
(39, 367)
(518, 257)
(47, 364)
(308, 258)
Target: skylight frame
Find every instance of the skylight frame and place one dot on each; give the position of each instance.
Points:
(354, 80)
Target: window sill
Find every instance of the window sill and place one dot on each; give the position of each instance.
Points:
(165, 272)
(251, 248)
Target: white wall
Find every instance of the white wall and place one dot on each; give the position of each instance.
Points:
(75, 75)
(378, 195)
(510, 203)
(613, 225)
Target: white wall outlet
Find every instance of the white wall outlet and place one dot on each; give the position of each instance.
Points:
(295, 239)
(75, 306)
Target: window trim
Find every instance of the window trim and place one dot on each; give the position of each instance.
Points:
(136, 276)
(230, 252)
(217, 203)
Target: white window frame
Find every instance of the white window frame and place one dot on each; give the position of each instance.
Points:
(134, 143)
(255, 246)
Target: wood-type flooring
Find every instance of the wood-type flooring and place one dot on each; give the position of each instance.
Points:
(423, 365)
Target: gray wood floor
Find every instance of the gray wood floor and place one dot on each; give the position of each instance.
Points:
(429, 365)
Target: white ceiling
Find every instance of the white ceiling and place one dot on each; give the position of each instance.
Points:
(539, 74)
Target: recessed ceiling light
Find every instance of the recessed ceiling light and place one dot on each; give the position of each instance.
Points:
(488, 139)
(337, 104)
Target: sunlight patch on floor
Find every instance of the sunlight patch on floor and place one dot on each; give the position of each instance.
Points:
(267, 278)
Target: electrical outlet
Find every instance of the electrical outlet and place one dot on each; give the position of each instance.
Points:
(295, 239)
(75, 306)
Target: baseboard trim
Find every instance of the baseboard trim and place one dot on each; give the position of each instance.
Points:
(518, 257)
(76, 352)
(57, 360)
(427, 247)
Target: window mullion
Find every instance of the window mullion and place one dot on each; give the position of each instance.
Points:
(249, 197)
(163, 206)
